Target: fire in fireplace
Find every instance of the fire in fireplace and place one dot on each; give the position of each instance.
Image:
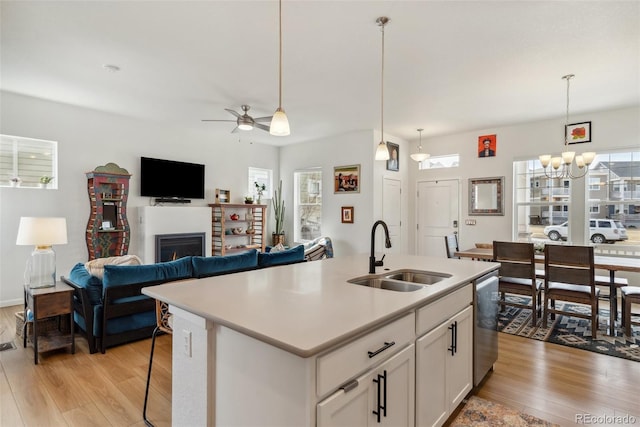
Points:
(174, 246)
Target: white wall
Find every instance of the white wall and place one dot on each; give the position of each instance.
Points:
(87, 139)
(615, 129)
(356, 147)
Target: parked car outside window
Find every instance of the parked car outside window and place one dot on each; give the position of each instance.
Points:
(600, 231)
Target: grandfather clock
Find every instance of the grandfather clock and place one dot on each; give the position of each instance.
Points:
(108, 232)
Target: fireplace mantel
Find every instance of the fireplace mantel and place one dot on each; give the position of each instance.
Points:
(155, 220)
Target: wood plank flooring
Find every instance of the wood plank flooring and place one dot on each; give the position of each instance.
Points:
(552, 382)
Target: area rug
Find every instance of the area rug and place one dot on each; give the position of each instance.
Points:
(478, 412)
(570, 331)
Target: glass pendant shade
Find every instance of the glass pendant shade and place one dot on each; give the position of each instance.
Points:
(382, 153)
(279, 124)
(42, 233)
(419, 157)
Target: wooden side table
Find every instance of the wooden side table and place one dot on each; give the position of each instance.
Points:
(55, 301)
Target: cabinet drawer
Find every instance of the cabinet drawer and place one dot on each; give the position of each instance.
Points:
(433, 314)
(53, 304)
(344, 363)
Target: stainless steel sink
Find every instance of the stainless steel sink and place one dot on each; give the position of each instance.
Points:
(417, 276)
(383, 283)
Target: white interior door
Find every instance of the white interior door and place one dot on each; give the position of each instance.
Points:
(392, 212)
(438, 214)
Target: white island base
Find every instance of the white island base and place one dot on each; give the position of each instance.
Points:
(297, 345)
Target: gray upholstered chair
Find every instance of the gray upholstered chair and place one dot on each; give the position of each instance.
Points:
(451, 245)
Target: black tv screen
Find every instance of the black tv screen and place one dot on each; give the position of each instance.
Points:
(171, 179)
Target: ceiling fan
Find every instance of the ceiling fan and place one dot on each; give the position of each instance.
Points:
(244, 121)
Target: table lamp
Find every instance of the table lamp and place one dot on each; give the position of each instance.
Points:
(43, 233)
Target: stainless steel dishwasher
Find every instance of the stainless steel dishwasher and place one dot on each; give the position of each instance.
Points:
(485, 333)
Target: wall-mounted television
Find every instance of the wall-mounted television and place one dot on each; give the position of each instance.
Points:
(170, 179)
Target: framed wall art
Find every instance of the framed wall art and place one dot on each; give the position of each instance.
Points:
(393, 164)
(347, 214)
(577, 133)
(346, 179)
(487, 145)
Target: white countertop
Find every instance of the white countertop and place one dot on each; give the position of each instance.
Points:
(308, 307)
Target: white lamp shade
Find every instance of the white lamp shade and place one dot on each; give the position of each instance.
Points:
(42, 231)
(245, 126)
(420, 157)
(588, 157)
(545, 159)
(279, 124)
(382, 153)
(567, 157)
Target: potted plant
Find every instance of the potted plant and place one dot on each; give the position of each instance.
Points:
(278, 214)
(45, 180)
(14, 181)
(248, 200)
(260, 188)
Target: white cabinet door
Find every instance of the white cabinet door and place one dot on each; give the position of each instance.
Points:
(432, 407)
(398, 390)
(387, 390)
(444, 368)
(460, 364)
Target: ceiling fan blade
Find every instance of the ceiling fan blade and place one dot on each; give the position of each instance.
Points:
(235, 130)
(232, 112)
(263, 119)
(261, 126)
(214, 120)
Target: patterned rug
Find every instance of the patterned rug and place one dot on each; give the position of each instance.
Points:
(570, 331)
(478, 412)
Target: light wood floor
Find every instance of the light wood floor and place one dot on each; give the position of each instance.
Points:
(546, 380)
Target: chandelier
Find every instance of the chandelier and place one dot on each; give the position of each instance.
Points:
(420, 156)
(562, 166)
(382, 153)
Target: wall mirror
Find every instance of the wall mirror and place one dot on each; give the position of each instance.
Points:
(486, 196)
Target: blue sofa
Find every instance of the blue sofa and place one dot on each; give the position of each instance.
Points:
(113, 311)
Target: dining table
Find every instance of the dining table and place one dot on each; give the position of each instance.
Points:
(610, 263)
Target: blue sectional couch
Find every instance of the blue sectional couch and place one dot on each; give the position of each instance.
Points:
(113, 311)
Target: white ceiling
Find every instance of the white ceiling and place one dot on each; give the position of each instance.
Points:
(450, 66)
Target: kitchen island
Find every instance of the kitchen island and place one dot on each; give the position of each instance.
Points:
(271, 346)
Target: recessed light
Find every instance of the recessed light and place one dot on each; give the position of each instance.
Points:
(111, 68)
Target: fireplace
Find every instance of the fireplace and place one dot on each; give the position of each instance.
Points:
(174, 246)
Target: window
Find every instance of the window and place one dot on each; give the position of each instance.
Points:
(26, 162)
(618, 194)
(438, 162)
(261, 176)
(308, 204)
(539, 201)
(613, 193)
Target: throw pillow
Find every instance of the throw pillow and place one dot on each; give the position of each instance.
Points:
(96, 266)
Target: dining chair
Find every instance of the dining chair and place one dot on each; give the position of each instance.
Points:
(164, 324)
(570, 277)
(630, 295)
(451, 245)
(518, 276)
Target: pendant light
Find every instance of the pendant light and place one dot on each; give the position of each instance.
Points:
(420, 156)
(561, 166)
(382, 153)
(279, 123)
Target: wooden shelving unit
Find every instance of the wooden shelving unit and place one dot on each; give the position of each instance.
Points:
(108, 188)
(249, 217)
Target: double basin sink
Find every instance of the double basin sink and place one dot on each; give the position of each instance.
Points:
(401, 280)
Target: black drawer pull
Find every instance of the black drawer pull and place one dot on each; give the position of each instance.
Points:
(381, 349)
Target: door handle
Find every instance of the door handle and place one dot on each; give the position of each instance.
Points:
(454, 338)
